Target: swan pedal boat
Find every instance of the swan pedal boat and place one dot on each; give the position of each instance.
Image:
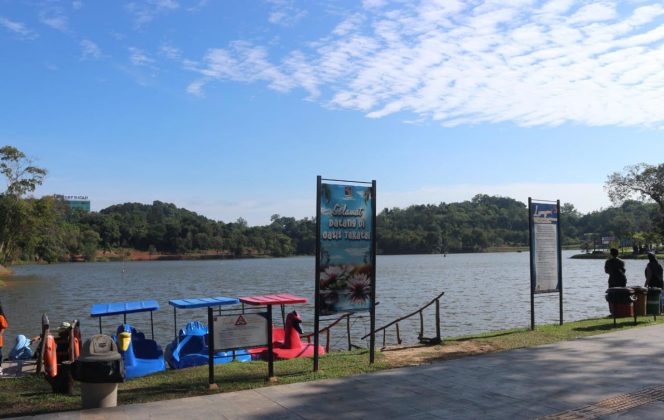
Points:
(286, 342)
(142, 356)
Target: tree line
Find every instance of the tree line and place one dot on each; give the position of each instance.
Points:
(46, 229)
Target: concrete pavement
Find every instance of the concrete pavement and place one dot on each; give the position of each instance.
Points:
(619, 375)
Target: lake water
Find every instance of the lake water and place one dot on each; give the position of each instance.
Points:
(483, 292)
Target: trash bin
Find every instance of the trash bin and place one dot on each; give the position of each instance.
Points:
(620, 301)
(641, 294)
(653, 305)
(99, 368)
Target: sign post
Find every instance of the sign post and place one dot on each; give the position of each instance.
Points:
(545, 252)
(345, 252)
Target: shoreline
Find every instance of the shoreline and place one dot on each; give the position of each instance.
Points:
(604, 256)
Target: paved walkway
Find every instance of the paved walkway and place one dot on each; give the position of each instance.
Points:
(613, 376)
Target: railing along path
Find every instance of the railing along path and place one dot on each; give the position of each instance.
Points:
(327, 329)
(423, 340)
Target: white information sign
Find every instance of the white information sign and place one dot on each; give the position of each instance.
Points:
(239, 331)
(544, 247)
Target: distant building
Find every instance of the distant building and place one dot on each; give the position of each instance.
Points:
(77, 202)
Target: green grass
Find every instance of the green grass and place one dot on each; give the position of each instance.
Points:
(547, 334)
(32, 395)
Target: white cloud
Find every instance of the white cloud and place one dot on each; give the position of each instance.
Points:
(17, 28)
(198, 6)
(89, 50)
(196, 87)
(527, 62)
(145, 11)
(242, 62)
(594, 12)
(169, 51)
(55, 18)
(373, 4)
(285, 13)
(138, 57)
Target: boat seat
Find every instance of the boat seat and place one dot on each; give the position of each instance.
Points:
(195, 344)
(146, 349)
(137, 335)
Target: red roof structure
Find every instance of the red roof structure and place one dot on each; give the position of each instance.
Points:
(280, 299)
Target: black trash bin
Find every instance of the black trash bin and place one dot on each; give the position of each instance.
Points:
(654, 304)
(641, 294)
(99, 368)
(620, 301)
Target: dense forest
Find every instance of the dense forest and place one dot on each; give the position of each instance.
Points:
(61, 234)
(46, 229)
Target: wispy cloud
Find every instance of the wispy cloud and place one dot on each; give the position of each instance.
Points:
(18, 29)
(55, 18)
(138, 57)
(89, 50)
(169, 51)
(241, 62)
(285, 13)
(198, 6)
(145, 11)
(529, 62)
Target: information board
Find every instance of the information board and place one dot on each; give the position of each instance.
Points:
(346, 247)
(544, 247)
(240, 331)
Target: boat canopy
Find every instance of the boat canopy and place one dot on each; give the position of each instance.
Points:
(280, 299)
(202, 302)
(123, 308)
(106, 309)
(198, 303)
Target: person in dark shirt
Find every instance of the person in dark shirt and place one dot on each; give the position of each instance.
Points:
(654, 272)
(615, 268)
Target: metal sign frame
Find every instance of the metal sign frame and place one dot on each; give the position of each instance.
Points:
(533, 271)
(372, 305)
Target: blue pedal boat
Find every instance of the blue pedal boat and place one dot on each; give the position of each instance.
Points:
(142, 356)
(190, 345)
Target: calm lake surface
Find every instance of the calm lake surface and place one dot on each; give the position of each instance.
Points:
(483, 292)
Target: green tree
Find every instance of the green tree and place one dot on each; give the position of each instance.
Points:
(644, 180)
(89, 243)
(22, 177)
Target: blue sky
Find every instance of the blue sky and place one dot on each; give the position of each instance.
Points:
(231, 108)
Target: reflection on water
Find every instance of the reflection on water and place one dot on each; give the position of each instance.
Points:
(483, 292)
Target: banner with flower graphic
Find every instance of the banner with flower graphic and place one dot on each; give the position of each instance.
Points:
(346, 247)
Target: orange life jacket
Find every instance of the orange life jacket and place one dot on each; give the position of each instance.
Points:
(50, 357)
(3, 326)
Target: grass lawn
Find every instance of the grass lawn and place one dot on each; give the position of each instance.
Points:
(31, 395)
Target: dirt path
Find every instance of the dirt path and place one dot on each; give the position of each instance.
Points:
(417, 355)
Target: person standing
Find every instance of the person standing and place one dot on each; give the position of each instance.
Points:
(654, 276)
(615, 268)
(3, 327)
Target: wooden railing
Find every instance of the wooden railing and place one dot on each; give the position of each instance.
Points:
(424, 340)
(327, 329)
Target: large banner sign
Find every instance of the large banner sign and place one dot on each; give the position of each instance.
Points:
(346, 248)
(544, 248)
